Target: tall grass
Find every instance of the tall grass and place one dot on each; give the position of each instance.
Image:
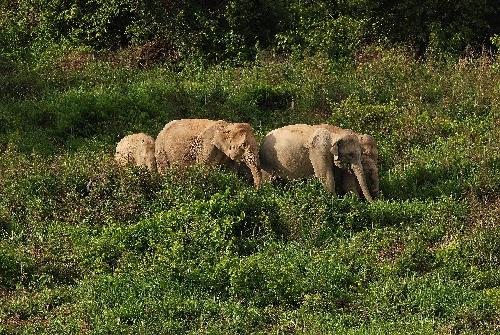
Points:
(86, 247)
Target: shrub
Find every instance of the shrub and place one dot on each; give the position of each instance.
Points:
(88, 247)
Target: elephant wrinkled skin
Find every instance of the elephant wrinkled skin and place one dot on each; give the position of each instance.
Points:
(345, 178)
(302, 151)
(189, 141)
(136, 149)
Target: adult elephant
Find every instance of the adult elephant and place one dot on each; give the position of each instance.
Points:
(189, 141)
(302, 151)
(136, 149)
(345, 178)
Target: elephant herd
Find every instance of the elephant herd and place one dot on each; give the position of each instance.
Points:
(343, 160)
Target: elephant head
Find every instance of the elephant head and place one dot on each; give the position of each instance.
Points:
(344, 150)
(235, 141)
(347, 154)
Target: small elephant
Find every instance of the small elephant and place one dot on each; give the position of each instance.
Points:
(136, 149)
(188, 141)
(345, 179)
(301, 151)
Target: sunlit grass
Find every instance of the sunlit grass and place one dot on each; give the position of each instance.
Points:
(86, 247)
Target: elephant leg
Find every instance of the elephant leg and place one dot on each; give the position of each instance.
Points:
(162, 162)
(323, 169)
(350, 183)
(210, 155)
(266, 176)
(322, 159)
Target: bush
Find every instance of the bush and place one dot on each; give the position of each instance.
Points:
(423, 25)
(236, 31)
(86, 246)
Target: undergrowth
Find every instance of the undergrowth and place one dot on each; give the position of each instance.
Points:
(87, 247)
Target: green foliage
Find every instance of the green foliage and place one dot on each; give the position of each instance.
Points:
(436, 26)
(15, 267)
(322, 26)
(495, 40)
(237, 31)
(88, 247)
(213, 30)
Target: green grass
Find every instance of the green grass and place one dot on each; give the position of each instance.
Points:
(86, 247)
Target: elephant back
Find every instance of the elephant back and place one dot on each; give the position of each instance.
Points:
(174, 143)
(137, 149)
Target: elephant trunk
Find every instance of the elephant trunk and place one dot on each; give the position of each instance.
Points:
(371, 174)
(252, 162)
(360, 175)
(375, 183)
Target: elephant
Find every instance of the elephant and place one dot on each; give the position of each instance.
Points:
(345, 179)
(369, 159)
(301, 151)
(136, 149)
(210, 142)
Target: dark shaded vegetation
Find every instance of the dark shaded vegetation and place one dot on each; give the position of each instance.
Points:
(237, 31)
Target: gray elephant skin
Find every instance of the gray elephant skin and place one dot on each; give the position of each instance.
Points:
(185, 142)
(346, 180)
(302, 151)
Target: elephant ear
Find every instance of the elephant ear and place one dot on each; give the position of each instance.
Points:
(319, 140)
(334, 150)
(320, 148)
(325, 141)
(368, 146)
(205, 147)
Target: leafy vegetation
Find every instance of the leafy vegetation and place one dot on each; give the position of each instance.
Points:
(87, 247)
(235, 31)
